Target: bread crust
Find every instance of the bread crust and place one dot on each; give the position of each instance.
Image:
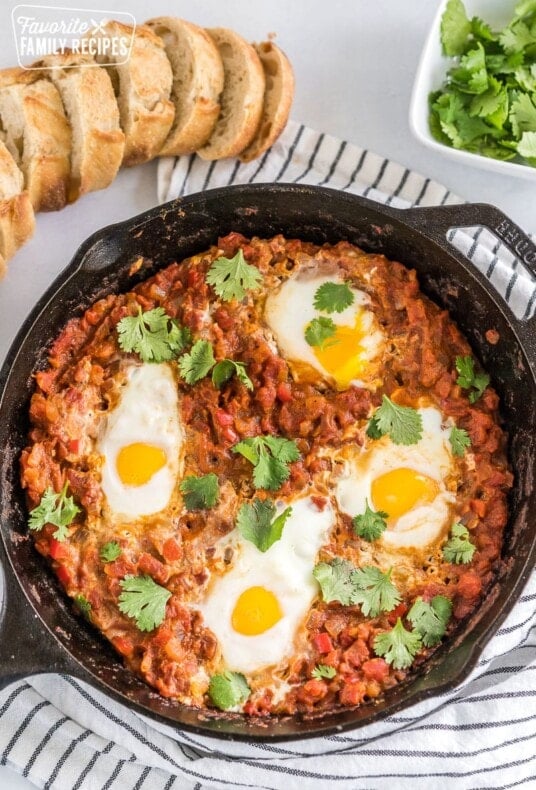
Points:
(278, 96)
(17, 219)
(97, 139)
(241, 99)
(37, 134)
(143, 86)
(197, 83)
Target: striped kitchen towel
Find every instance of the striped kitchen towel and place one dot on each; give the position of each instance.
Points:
(64, 734)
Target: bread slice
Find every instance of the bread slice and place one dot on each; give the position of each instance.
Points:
(242, 97)
(97, 140)
(197, 83)
(37, 135)
(17, 219)
(278, 96)
(142, 85)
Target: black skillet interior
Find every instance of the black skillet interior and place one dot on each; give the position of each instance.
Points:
(39, 631)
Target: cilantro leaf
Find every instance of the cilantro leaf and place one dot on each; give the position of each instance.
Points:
(83, 605)
(153, 335)
(258, 523)
(398, 646)
(374, 590)
(458, 549)
(430, 620)
(527, 146)
(370, 524)
(110, 551)
(471, 76)
(228, 368)
(455, 28)
(195, 365)
(522, 114)
(56, 509)
(335, 580)
(459, 440)
(144, 601)
(469, 380)
(270, 456)
(402, 423)
(319, 331)
(333, 297)
(228, 689)
(323, 671)
(232, 277)
(200, 493)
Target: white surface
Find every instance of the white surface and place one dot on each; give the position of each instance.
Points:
(355, 63)
(430, 76)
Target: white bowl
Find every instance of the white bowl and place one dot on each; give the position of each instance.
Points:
(431, 73)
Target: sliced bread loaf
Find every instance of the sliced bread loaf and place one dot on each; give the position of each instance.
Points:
(17, 220)
(142, 84)
(278, 96)
(197, 83)
(242, 97)
(97, 140)
(37, 135)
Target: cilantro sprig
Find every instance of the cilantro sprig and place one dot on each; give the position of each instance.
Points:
(368, 586)
(228, 689)
(258, 523)
(232, 277)
(468, 379)
(398, 646)
(83, 605)
(458, 549)
(110, 551)
(198, 363)
(459, 440)
(402, 423)
(56, 509)
(487, 104)
(153, 335)
(333, 297)
(200, 493)
(226, 369)
(430, 620)
(144, 600)
(370, 524)
(319, 331)
(323, 671)
(270, 456)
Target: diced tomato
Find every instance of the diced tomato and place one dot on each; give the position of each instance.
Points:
(469, 585)
(323, 643)
(375, 669)
(171, 550)
(64, 575)
(57, 550)
(352, 692)
(398, 611)
(194, 278)
(149, 564)
(478, 506)
(223, 418)
(123, 645)
(313, 690)
(284, 393)
(73, 445)
(356, 653)
(230, 434)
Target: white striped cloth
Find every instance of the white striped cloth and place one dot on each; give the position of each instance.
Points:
(62, 733)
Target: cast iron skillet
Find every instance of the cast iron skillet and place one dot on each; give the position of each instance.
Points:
(40, 633)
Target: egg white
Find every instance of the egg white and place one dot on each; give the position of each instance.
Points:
(147, 412)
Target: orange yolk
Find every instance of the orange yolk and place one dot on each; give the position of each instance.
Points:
(398, 491)
(137, 463)
(255, 612)
(342, 354)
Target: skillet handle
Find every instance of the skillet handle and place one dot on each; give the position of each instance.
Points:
(27, 647)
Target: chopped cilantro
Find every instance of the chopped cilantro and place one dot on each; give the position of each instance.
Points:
(458, 549)
(374, 590)
(459, 440)
(333, 297)
(319, 331)
(153, 335)
(370, 524)
(402, 423)
(430, 620)
(259, 524)
(398, 646)
(144, 600)
(195, 365)
(335, 580)
(83, 605)
(200, 493)
(270, 456)
(469, 380)
(455, 28)
(110, 551)
(232, 277)
(228, 689)
(323, 671)
(56, 509)
(228, 368)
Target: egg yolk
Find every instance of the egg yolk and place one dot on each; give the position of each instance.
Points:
(342, 354)
(256, 610)
(398, 491)
(137, 463)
